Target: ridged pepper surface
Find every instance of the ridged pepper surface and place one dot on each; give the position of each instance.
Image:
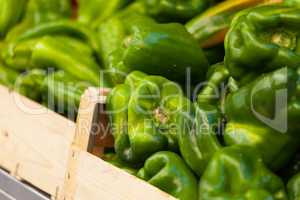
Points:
(143, 113)
(263, 39)
(138, 43)
(238, 173)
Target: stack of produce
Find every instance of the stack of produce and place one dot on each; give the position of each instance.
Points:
(205, 97)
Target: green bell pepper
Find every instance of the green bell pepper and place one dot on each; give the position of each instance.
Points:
(210, 27)
(197, 138)
(50, 52)
(62, 93)
(293, 188)
(167, 171)
(58, 91)
(139, 43)
(63, 28)
(175, 11)
(11, 13)
(30, 84)
(7, 76)
(41, 11)
(143, 114)
(111, 34)
(270, 112)
(263, 39)
(18, 57)
(198, 130)
(238, 173)
(72, 56)
(96, 11)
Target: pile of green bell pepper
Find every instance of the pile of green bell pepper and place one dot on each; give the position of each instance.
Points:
(204, 98)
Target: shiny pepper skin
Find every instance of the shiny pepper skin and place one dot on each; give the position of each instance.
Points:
(263, 39)
(167, 171)
(143, 112)
(139, 43)
(11, 13)
(270, 106)
(198, 140)
(238, 173)
(37, 12)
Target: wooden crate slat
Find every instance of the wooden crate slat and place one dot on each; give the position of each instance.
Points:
(35, 142)
(88, 136)
(96, 179)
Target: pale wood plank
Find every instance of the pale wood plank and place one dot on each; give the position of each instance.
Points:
(35, 142)
(86, 139)
(97, 179)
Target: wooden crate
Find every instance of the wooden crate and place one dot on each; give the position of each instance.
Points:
(35, 142)
(89, 177)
